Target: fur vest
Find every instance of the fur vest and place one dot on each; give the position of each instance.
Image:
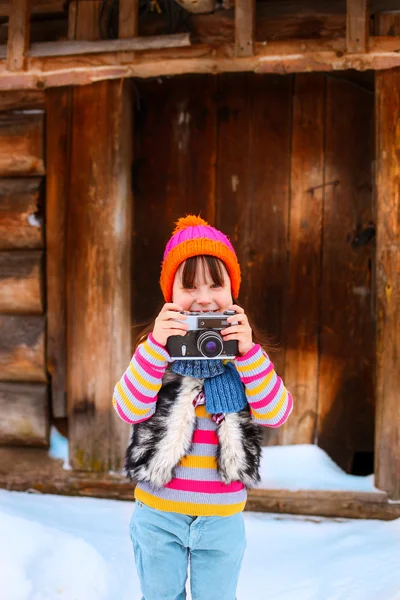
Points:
(158, 444)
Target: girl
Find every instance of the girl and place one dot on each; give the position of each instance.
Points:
(196, 441)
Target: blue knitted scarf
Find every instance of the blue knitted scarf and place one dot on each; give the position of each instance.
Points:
(223, 389)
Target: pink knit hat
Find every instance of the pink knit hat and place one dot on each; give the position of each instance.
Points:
(194, 237)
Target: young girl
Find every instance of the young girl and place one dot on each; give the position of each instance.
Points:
(196, 440)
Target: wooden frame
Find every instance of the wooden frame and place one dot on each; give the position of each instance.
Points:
(282, 57)
(357, 25)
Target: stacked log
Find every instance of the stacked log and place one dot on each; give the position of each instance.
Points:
(23, 388)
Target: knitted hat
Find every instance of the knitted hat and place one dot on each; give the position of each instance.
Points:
(193, 237)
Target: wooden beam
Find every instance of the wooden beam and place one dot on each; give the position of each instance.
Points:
(18, 35)
(128, 19)
(76, 48)
(25, 414)
(357, 25)
(387, 438)
(282, 57)
(22, 348)
(23, 469)
(21, 145)
(21, 282)
(21, 223)
(245, 25)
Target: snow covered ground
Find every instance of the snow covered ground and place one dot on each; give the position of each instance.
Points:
(55, 547)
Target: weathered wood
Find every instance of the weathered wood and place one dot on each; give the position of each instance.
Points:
(21, 282)
(387, 439)
(75, 48)
(182, 112)
(23, 469)
(357, 30)
(20, 213)
(21, 100)
(58, 138)
(347, 329)
(128, 18)
(21, 144)
(245, 20)
(24, 414)
(295, 56)
(306, 206)
(265, 269)
(98, 271)
(37, 7)
(22, 350)
(18, 34)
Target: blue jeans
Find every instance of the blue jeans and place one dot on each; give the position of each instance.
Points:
(164, 541)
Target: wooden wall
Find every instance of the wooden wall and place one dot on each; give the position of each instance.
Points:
(284, 165)
(23, 388)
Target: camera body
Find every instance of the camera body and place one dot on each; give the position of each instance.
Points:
(203, 340)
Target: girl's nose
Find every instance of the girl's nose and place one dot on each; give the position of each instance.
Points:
(204, 297)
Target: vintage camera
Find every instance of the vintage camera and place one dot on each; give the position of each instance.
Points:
(203, 340)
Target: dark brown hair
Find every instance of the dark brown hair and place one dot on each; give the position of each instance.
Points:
(215, 268)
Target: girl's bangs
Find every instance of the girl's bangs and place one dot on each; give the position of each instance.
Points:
(208, 264)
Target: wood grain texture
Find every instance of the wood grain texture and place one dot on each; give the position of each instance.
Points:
(21, 217)
(21, 144)
(22, 100)
(306, 210)
(245, 25)
(58, 139)
(357, 26)
(170, 178)
(24, 414)
(21, 282)
(387, 445)
(18, 34)
(98, 272)
(347, 329)
(22, 348)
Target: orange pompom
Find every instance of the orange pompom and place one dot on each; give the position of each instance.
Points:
(188, 221)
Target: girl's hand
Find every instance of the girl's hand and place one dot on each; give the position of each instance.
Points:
(166, 325)
(240, 332)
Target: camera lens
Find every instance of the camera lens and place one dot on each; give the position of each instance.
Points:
(210, 344)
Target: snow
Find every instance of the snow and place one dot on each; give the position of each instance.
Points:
(55, 547)
(62, 548)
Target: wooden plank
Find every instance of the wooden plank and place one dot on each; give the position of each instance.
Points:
(128, 18)
(264, 288)
(182, 112)
(306, 205)
(18, 34)
(24, 414)
(347, 329)
(282, 57)
(21, 223)
(21, 144)
(357, 30)
(21, 282)
(22, 100)
(38, 7)
(245, 24)
(76, 48)
(387, 440)
(58, 139)
(22, 350)
(98, 273)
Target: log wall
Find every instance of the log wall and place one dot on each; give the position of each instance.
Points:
(284, 165)
(23, 388)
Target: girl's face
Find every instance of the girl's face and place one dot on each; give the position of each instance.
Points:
(202, 284)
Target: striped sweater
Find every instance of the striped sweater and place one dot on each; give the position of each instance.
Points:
(197, 488)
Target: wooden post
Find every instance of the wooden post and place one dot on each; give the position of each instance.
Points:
(387, 437)
(357, 27)
(245, 19)
(98, 264)
(128, 18)
(18, 34)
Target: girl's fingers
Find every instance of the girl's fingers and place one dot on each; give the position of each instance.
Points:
(237, 308)
(234, 329)
(171, 306)
(173, 325)
(240, 318)
(171, 314)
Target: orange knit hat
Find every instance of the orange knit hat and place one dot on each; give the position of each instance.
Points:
(193, 236)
